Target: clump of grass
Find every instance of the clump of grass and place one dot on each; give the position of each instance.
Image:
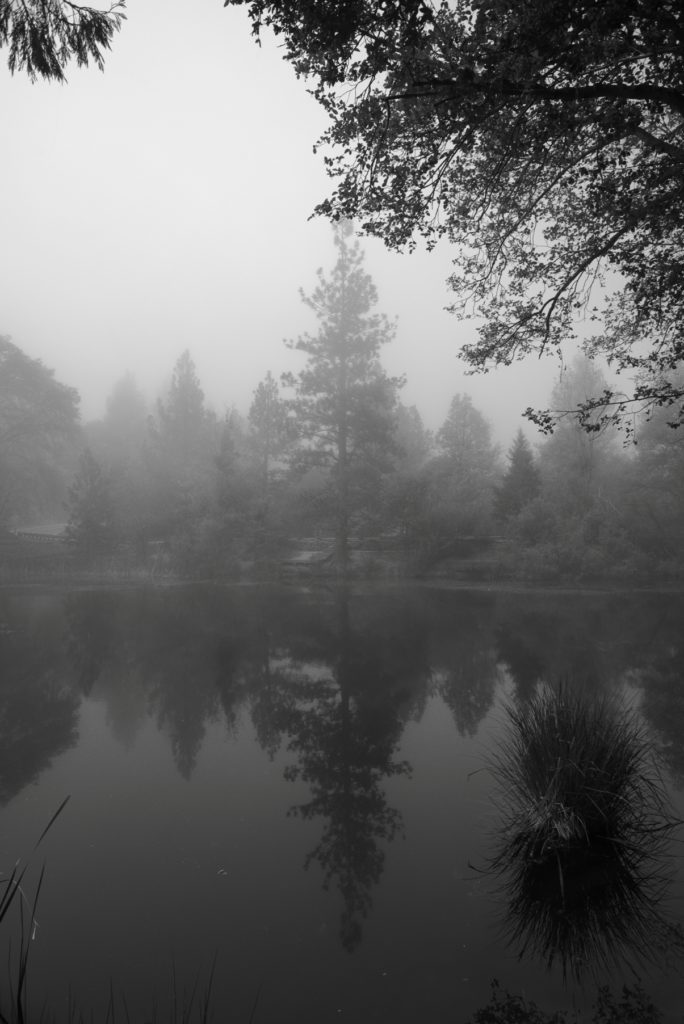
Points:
(585, 822)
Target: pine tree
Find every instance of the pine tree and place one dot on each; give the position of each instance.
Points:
(521, 481)
(182, 417)
(343, 398)
(268, 420)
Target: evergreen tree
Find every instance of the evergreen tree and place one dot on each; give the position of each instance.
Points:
(344, 400)
(181, 467)
(268, 420)
(183, 418)
(91, 510)
(521, 480)
(574, 462)
(465, 470)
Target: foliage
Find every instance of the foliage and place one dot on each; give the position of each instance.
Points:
(268, 421)
(465, 438)
(573, 463)
(44, 35)
(413, 439)
(91, 526)
(184, 424)
(585, 823)
(632, 1006)
(344, 401)
(581, 524)
(543, 140)
(505, 1008)
(38, 423)
(654, 492)
(181, 460)
(122, 432)
(520, 484)
(453, 499)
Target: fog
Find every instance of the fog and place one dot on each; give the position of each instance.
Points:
(164, 204)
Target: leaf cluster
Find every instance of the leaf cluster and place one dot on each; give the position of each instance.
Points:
(542, 139)
(44, 35)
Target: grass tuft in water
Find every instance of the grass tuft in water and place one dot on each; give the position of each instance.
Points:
(581, 846)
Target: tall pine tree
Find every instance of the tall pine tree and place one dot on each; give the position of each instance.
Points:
(344, 401)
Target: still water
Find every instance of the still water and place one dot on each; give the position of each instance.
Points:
(295, 784)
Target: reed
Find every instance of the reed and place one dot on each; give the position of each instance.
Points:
(14, 895)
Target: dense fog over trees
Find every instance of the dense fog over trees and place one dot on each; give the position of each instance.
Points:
(330, 473)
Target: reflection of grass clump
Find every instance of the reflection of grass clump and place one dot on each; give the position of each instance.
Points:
(585, 822)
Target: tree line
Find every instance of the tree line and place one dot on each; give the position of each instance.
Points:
(330, 470)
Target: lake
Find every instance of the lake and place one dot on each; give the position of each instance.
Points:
(296, 783)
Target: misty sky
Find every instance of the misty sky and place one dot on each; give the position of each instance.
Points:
(164, 205)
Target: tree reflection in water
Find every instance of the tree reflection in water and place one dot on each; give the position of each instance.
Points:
(582, 845)
(344, 717)
(38, 704)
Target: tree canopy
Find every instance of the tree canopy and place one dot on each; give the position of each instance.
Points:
(38, 417)
(44, 35)
(543, 139)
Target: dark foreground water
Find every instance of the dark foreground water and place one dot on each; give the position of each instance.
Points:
(294, 783)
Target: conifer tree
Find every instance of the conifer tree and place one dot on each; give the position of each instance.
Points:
(182, 417)
(344, 400)
(521, 480)
(268, 420)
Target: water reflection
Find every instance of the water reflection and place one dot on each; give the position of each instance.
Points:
(583, 843)
(326, 683)
(38, 706)
(344, 716)
(661, 680)
(331, 680)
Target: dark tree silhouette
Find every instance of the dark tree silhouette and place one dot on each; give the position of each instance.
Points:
(44, 35)
(543, 140)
